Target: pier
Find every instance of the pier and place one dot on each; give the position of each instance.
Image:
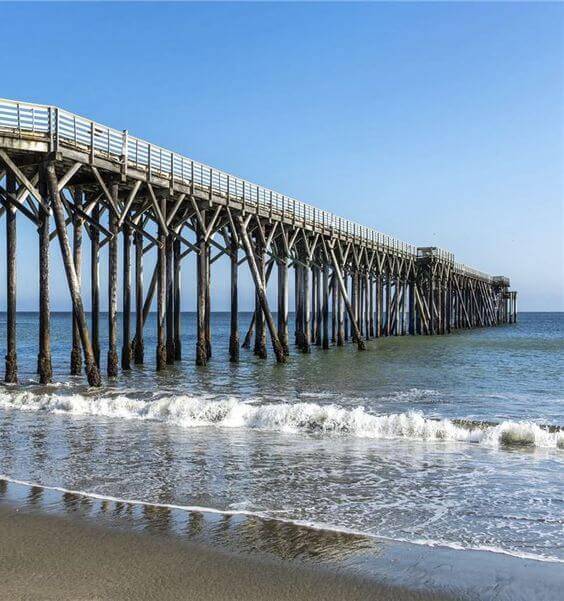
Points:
(69, 175)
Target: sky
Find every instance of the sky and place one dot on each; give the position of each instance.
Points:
(440, 124)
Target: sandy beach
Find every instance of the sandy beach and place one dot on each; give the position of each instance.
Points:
(46, 557)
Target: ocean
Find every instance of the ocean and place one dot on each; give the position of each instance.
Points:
(449, 441)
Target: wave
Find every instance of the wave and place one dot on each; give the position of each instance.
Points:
(303, 417)
(267, 515)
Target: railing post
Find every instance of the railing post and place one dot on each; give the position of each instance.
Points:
(124, 153)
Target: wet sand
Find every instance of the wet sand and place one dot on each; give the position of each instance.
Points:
(48, 557)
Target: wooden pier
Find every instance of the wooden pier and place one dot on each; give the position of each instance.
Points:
(69, 175)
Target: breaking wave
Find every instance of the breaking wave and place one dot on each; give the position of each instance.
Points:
(187, 412)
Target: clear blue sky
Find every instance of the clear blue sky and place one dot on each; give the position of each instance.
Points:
(439, 124)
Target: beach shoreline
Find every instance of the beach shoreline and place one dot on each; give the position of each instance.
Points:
(59, 557)
(69, 546)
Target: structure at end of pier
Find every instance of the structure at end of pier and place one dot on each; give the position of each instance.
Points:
(352, 283)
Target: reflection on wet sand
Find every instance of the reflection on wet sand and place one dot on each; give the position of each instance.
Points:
(234, 532)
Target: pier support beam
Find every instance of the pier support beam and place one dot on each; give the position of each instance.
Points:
(91, 368)
(260, 329)
(95, 283)
(278, 350)
(325, 308)
(202, 281)
(358, 338)
(139, 349)
(282, 267)
(411, 308)
(126, 300)
(77, 223)
(112, 367)
(340, 312)
(44, 364)
(161, 355)
(170, 352)
(306, 304)
(177, 301)
(11, 374)
(234, 324)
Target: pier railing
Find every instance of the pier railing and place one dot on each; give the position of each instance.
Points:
(63, 127)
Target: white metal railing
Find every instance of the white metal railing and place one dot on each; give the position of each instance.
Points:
(62, 127)
(67, 128)
(471, 272)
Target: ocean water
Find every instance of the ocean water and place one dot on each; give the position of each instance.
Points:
(454, 441)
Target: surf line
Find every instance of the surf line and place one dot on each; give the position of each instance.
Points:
(300, 523)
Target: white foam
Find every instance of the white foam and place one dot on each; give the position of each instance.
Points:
(186, 411)
(304, 523)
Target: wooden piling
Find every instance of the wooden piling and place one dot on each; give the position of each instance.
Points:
(360, 342)
(112, 366)
(126, 300)
(259, 285)
(207, 319)
(306, 303)
(139, 347)
(201, 344)
(44, 363)
(77, 222)
(95, 283)
(260, 326)
(340, 312)
(170, 351)
(325, 308)
(333, 286)
(282, 309)
(11, 374)
(177, 300)
(234, 324)
(161, 354)
(91, 368)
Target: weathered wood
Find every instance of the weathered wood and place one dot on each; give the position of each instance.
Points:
(208, 299)
(411, 309)
(277, 347)
(359, 341)
(325, 308)
(234, 322)
(251, 329)
(282, 267)
(333, 288)
(388, 304)
(44, 362)
(370, 284)
(95, 284)
(112, 358)
(91, 368)
(76, 352)
(170, 352)
(11, 373)
(298, 303)
(126, 300)
(260, 329)
(340, 312)
(161, 354)
(318, 306)
(177, 256)
(306, 304)
(139, 346)
(201, 344)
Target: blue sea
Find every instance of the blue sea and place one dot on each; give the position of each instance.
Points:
(453, 441)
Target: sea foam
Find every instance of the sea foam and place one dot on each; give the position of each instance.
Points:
(301, 417)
